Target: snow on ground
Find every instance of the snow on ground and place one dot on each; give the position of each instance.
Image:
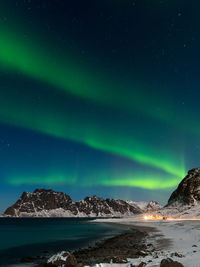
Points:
(184, 240)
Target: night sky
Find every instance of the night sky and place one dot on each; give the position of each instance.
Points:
(98, 97)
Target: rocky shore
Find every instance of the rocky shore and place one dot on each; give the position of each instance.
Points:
(126, 248)
(116, 249)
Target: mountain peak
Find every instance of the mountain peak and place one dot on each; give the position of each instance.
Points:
(188, 190)
(42, 190)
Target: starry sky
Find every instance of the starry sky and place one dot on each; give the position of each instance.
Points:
(98, 97)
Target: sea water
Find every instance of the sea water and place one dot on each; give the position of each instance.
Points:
(24, 237)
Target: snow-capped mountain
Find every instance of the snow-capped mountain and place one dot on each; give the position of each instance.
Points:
(184, 202)
(146, 206)
(48, 203)
(188, 191)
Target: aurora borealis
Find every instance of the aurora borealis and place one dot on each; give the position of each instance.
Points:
(99, 97)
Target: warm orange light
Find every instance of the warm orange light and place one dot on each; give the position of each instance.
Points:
(157, 217)
(153, 217)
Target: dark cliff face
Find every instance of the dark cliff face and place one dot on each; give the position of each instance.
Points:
(100, 206)
(40, 199)
(188, 191)
(46, 200)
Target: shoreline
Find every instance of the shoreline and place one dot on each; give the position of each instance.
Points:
(118, 248)
(40, 258)
(163, 242)
(138, 242)
(175, 240)
(63, 234)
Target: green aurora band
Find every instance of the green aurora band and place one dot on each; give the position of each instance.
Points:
(68, 74)
(76, 78)
(20, 56)
(151, 181)
(49, 119)
(146, 183)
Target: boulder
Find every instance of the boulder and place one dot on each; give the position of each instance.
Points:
(62, 258)
(141, 253)
(176, 254)
(170, 263)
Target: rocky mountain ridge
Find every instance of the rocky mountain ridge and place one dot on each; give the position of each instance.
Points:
(188, 190)
(184, 202)
(48, 203)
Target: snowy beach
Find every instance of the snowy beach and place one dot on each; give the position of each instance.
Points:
(178, 240)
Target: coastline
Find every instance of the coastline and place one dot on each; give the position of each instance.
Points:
(87, 235)
(117, 249)
(175, 240)
(151, 231)
(140, 242)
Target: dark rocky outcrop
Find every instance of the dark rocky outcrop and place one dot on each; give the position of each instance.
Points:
(40, 199)
(142, 264)
(188, 191)
(170, 263)
(42, 202)
(65, 258)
